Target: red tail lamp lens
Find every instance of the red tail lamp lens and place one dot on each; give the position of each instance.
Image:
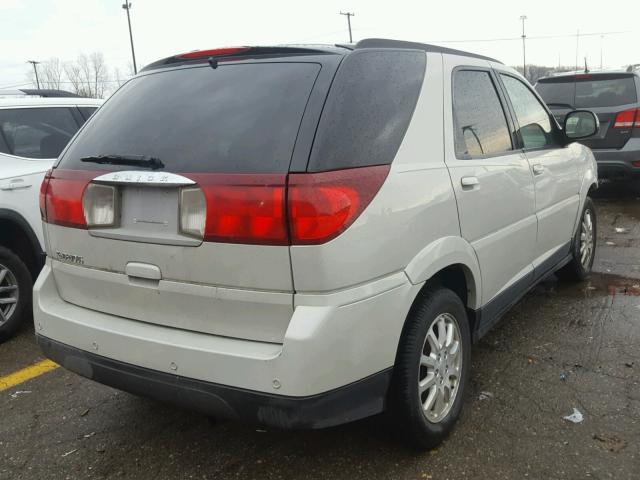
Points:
(63, 197)
(244, 208)
(627, 118)
(323, 205)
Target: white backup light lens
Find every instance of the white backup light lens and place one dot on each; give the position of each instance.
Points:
(193, 212)
(99, 204)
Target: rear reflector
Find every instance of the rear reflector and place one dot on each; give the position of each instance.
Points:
(628, 119)
(323, 205)
(636, 163)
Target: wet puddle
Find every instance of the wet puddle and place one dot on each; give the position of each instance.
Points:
(596, 284)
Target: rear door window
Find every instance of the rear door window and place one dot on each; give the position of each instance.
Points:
(36, 132)
(480, 123)
(237, 118)
(588, 91)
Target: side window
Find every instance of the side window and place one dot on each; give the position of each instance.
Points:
(480, 123)
(36, 132)
(536, 128)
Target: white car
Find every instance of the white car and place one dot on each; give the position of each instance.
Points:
(33, 132)
(306, 236)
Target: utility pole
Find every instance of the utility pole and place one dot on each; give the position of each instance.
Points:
(127, 7)
(524, 48)
(601, 37)
(349, 15)
(35, 70)
(577, 47)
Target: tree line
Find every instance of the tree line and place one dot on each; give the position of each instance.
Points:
(88, 75)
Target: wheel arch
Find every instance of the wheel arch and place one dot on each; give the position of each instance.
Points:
(452, 263)
(17, 235)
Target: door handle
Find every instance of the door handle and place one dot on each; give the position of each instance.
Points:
(538, 169)
(16, 184)
(469, 181)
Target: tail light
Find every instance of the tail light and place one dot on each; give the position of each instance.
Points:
(61, 197)
(264, 209)
(244, 208)
(269, 209)
(323, 205)
(628, 119)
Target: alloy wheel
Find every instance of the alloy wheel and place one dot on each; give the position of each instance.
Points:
(586, 239)
(440, 367)
(8, 294)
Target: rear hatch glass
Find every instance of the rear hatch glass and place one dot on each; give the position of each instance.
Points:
(604, 94)
(239, 120)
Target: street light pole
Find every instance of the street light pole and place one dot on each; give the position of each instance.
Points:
(35, 70)
(349, 15)
(127, 7)
(524, 48)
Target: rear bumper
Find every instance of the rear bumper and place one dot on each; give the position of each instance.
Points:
(358, 400)
(332, 343)
(615, 163)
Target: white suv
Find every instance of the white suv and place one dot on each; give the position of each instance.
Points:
(303, 237)
(33, 132)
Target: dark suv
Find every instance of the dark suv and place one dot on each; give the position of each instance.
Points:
(615, 98)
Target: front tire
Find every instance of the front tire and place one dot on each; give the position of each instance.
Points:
(432, 369)
(15, 293)
(583, 247)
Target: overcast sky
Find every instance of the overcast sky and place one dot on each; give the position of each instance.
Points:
(40, 29)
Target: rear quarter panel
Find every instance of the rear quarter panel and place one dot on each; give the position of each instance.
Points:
(414, 207)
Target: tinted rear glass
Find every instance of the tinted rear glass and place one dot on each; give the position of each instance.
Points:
(586, 92)
(236, 118)
(368, 109)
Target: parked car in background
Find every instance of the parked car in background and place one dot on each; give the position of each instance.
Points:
(615, 98)
(306, 236)
(34, 130)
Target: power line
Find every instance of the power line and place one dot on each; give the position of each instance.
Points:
(538, 37)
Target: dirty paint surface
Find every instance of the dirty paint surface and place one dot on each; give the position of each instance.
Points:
(564, 346)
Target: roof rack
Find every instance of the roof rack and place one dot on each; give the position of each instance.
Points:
(386, 43)
(38, 92)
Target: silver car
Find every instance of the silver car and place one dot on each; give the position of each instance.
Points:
(306, 236)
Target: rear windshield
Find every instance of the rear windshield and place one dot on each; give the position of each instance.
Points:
(588, 91)
(235, 118)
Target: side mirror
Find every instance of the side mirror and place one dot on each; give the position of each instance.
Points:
(580, 124)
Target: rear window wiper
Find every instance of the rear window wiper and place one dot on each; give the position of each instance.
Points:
(132, 160)
(557, 104)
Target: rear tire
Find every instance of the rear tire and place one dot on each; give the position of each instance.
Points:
(434, 357)
(15, 293)
(583, 246)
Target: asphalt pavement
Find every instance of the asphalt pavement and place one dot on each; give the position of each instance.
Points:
(563, 347)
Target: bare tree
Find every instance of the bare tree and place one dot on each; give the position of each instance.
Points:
(50, 74)
(88, 75)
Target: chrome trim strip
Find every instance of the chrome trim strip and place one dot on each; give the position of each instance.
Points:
(138, 177)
